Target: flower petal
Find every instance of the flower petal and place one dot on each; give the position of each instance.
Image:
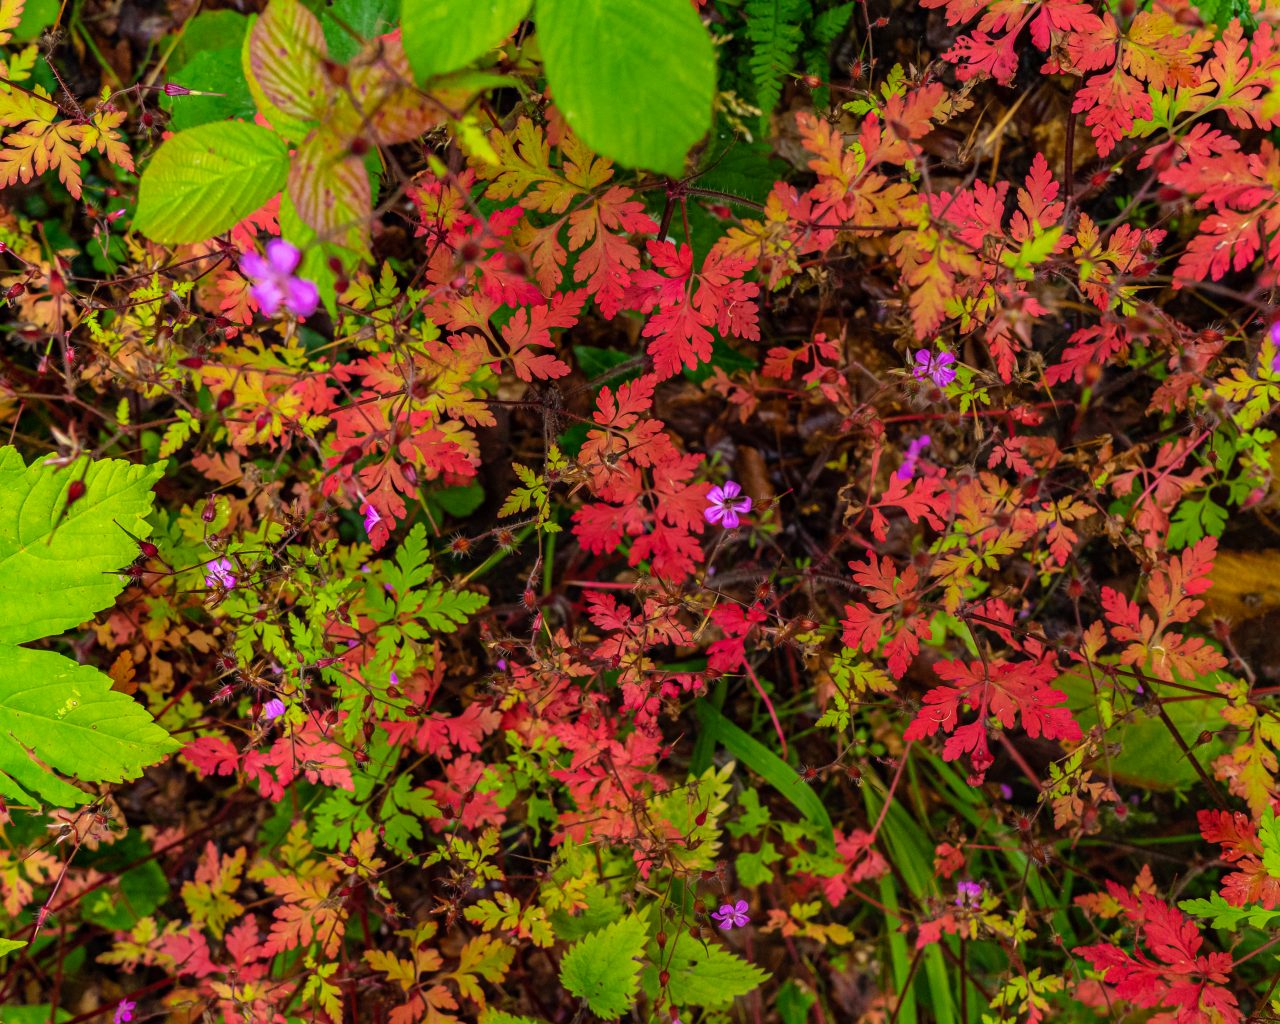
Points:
(302, 297)
(282, 256)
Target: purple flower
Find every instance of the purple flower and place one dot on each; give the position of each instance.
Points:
(124, 1011)
(726, 504)
(274, 282)
(968, 894)
(371, 518)
(732, 915)
(914, 448)
(273, 709)
(218, 574)
(936, 366)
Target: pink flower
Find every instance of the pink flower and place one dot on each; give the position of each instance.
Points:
(124, 1011)
(908, 467)
(968, 894)
(371, 518)
(935, 366)
(732, 915)
(726, 504)
(275, 283)
(218, 574)
(273, 709)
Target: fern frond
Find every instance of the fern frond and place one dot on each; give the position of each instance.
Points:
(773, 26)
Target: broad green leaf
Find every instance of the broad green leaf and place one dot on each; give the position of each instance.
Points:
(209, 30)
(286, 55)
(9, 945)
(603, 969)
(1149, 756)
(58, 566)
(446, 35)
(708, 976)
(210, 71)
(207, 179)
(348, 24)
(634, 78)
(331, 191)
(71, 719)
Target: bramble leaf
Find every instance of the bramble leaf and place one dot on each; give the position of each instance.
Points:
(603, 969)
(207, 179)
(57, 565)
(634, 78)
(446, 35)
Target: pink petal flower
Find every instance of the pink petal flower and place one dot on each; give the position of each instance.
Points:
(282, 256)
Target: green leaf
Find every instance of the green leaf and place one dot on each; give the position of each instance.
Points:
(459, 501)
(71, 719)
(57, 570)
(1269, 837)
(1221, 914)
(9, 945)
(211, 71)
(446, 35)
(207, 179)
(286, 59)
(769, 766)
(634, 78)
(793, 1003)
(498, 1017)
(603, 970)
(708, 976)
(1149, 756)
(368, 19)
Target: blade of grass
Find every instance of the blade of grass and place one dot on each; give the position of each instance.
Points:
(770, 767)
(903, 837)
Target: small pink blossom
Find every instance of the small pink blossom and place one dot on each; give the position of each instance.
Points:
(908, 468)
(273, 709)
(968, 894)
(218, 573)
(275, 283)
(937, 366)
(732, 915)
(371, 518)
(124, 1011)
(725, 505)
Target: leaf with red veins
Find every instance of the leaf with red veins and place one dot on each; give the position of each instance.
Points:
(1114, 101)
(923, 499)
(1095, 345)
(530, 328)
(1237, 834)
(893, 596)
(1038, 205)
(1005, 690)
(1066, 17)
(607, 264)
(1174, 586)
(308, 752)
(729, 653)
(979, 53)
(1190, 985)
(309, 914)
